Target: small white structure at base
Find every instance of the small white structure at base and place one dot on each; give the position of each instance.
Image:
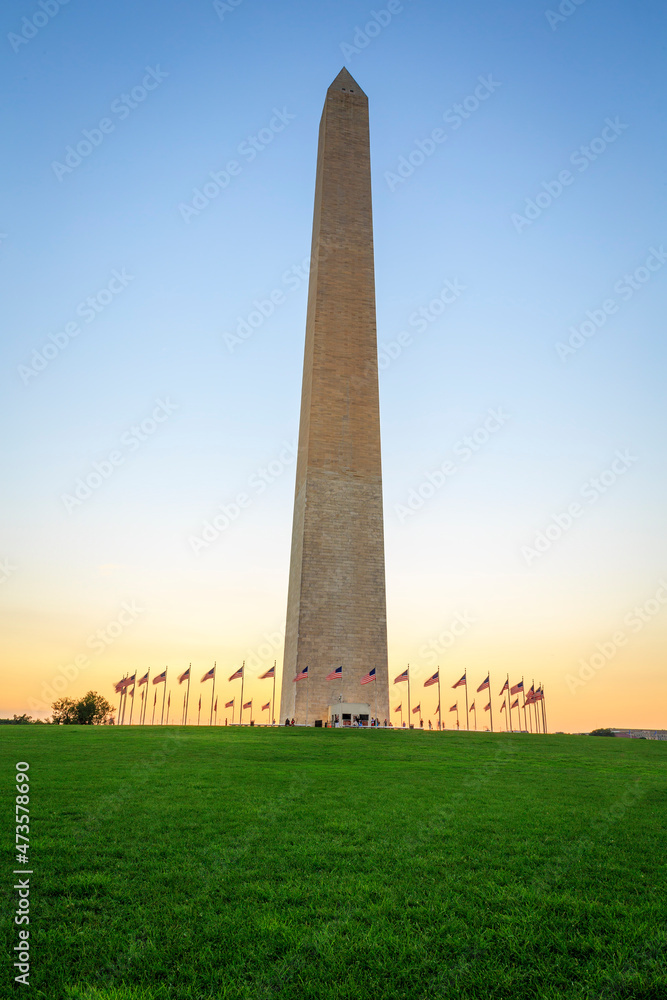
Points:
(349, 713)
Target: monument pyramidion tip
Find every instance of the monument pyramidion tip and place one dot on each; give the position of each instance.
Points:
(345, 81)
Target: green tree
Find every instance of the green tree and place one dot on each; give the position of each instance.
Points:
(64, 712)
(91, 710)
(602, 732)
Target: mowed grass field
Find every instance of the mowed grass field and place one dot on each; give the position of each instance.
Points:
(258, 863)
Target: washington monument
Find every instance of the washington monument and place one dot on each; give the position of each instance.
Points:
(336, 606)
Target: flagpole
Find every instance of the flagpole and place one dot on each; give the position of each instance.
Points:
(544, 709)
(241, 706)
(154, 704)
(183, 712)
(213, 693)
(523, 692)
(509, 702)
(307, 679)
(439, 703)
(376, 695)
(409, 715)
(401, 713)
(467, 713)
(273, 703)
(168, 704)
(123, 698)
(458, 724)
(199, 712)
(148, 681)
(141, 709)
(164, 695)
(187, 698)
(474, 708)
(490, 702)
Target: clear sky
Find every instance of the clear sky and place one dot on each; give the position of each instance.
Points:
(158, 184)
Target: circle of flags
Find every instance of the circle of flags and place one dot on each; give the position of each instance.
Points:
(530, 705)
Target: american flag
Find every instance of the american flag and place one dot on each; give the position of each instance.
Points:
(400, 708)
(185, 676)
(266, 707)
(229, 704)
(459, 683)
(417, 709)
(215, 707)
(200, 703)
(335, 675)
(517, 687)
(484, 685)
(455, 707)
(515, 703)
(303, 675)
(437, 709)
(370, 676)
(472, 708)
(239, 673)
(503, 707)
(160, 679)
(530, 697)
(208, 675)
(269, 673)
(506, 687)
(487, 708)
(402, 677)
(144, 679)
(169, 701)
(248, 704)
(120, 686)
(433, 680)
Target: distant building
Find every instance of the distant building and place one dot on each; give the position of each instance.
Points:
(641, 734)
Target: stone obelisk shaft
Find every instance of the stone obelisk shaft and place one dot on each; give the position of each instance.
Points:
(336, 609)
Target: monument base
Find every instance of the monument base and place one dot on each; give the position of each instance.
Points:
(350, 714)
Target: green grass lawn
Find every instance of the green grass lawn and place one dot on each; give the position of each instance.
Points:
(201, 863)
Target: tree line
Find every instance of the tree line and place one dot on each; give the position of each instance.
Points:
(90, 710)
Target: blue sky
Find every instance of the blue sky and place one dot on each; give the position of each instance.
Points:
(230, 409)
